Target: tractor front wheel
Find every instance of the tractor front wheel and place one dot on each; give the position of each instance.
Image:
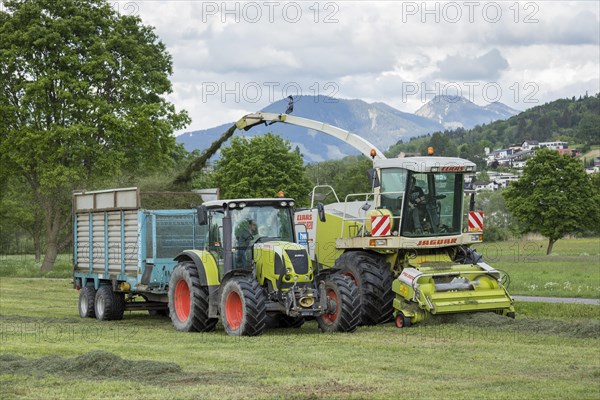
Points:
(243, 307)
(343, 305)
(188, 300)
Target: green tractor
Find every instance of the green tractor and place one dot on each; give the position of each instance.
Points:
(407, 243)
(252, 274)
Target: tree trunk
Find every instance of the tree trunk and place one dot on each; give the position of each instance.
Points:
(550, 245)
(50, 255)
(54, 223)
(37, 245)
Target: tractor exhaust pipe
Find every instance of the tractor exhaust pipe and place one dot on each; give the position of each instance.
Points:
(227, 240)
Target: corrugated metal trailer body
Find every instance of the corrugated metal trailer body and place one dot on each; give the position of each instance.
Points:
(115, 241)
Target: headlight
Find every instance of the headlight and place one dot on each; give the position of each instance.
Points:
(283, 204)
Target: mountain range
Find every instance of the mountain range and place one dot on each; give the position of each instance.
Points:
(377, 122)
(457, 112)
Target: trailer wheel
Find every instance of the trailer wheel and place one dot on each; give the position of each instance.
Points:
(243, 307)
(188, 300)
(87, 296)
(343, 305)
(108, 305)
(374, 284)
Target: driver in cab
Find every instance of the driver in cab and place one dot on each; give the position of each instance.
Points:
(245, 232)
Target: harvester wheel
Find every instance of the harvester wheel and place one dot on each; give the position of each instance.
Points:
(188, 300)
(108, 305)
(402, 321)
(87, 296)
(343, 303)
(243, 307)
(374, 283)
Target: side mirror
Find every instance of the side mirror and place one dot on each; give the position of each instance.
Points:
(321, 212)
(202, 215)
(472, 202)
(373, 178)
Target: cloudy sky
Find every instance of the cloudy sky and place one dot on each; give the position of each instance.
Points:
(231, 58)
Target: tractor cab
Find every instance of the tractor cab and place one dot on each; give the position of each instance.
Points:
(235, 228)
(414, 202)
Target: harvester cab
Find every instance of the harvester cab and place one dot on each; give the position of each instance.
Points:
(252, 274)
(407, 243)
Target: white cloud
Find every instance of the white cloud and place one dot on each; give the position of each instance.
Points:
(374, 51)
(334, 153)
(465, 67)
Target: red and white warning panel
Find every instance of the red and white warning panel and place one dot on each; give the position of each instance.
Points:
(475, 221)
(381, 225)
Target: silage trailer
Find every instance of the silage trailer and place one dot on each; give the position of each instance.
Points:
(120, 248)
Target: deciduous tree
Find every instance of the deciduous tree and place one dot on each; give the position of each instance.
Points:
(81, 97)
(554, 197)
(261, 166)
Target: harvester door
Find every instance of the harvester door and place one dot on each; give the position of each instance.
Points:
(393, 186)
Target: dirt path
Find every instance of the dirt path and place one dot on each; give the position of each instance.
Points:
(566, 300)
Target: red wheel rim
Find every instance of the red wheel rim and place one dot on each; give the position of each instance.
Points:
(349, 275)
(332, 317)
(234, 310)
(399, 321)
(182, 300)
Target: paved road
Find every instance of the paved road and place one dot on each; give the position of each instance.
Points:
(566, 300)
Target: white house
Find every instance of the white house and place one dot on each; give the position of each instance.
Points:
(555, 145)
(530, 144)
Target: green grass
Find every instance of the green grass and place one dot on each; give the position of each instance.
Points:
(572, 270)
(47, 351)
(24, 265)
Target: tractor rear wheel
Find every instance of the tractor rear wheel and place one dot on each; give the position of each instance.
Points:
(374, 283)
(108, 305)
(243, 307)
(87, 297)
(343, 305)
(188, 300)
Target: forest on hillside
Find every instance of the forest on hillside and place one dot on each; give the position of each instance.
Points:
(574, 120)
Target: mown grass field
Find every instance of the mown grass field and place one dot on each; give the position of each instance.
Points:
(549, 351)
